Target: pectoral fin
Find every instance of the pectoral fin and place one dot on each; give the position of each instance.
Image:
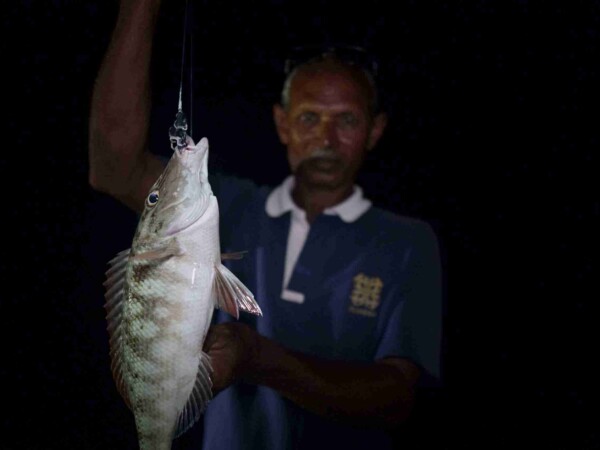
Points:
(165, 252)
(235, 255)
(231, 294)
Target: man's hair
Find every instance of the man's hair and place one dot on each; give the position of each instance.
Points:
(360, 74)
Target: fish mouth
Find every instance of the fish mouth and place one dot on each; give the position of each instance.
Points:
(195, 158)
(192, 147)
(188, 209)
(186, 153)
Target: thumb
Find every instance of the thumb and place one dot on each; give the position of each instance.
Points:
(212, 337)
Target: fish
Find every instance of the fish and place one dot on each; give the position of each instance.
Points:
(160, 297)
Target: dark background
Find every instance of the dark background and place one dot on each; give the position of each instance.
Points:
(493, 139)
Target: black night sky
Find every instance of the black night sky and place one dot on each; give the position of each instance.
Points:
(493, 139)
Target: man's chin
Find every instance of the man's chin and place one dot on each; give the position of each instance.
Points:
(319, 179)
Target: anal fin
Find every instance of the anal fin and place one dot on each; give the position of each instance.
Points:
(199, 397)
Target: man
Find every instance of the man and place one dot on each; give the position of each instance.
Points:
(350, 294)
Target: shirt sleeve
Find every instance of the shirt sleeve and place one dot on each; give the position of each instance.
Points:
(414, 327)
(232, 192)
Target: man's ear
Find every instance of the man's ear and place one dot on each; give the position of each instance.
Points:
(377, 127)
(281, 123)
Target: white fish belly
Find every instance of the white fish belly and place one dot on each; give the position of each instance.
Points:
(167, 318)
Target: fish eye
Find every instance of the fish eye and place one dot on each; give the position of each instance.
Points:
(152, 198)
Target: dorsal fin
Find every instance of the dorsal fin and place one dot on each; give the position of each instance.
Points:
(114, 296)
(199, 397)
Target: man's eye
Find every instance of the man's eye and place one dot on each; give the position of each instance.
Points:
(349, 119)
(308, 118)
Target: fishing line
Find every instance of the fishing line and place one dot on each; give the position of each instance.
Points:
(178, 132)
(191, 84)
(183, 54)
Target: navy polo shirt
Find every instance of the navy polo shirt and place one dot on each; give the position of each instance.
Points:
(371, 289)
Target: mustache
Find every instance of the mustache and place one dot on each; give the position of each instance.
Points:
(322, 153)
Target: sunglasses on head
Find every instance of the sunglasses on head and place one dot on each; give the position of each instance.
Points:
(349, 54)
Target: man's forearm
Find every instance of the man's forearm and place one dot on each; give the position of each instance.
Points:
(372, 394)
(120, 108)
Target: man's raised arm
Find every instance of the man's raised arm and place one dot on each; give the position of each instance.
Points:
(120, 164)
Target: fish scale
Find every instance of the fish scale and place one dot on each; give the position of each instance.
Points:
(160, 297)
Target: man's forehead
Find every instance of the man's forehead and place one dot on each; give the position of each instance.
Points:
(329, 85)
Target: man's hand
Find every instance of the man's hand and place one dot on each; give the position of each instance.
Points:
(379, 394)
(233, 348)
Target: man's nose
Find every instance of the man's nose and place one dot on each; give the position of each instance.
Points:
(328, 134)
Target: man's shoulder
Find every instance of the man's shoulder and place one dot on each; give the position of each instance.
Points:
(392, 224)
(233, 189)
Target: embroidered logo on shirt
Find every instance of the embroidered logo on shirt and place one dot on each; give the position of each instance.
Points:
(365, 295)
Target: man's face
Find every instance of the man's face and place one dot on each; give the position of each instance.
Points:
(327, 128)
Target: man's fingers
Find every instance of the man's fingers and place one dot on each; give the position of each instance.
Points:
(208, 340)
(219, 336)
(212, 337)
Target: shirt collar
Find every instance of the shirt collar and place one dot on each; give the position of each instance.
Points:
(280, 201)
